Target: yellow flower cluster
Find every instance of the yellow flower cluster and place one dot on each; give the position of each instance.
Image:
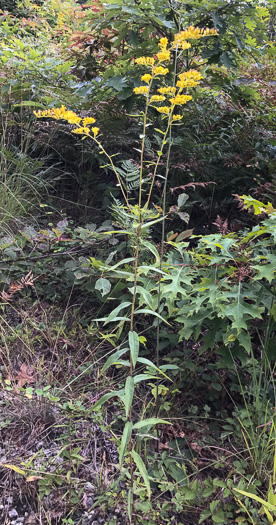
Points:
(142, 90)
(163, 56)
(60, 19)
(145, 61)
(157, 98)
(180, 99)
(72, 118)
(193, 33)
(167, 90)
(164, 109)
(88, 120)
(181, 84)
(58, 114)
(177, 117)
(81, 131)
(95, 131)
(192, 74)
(146, 78)
(163, 43)
(159, 70)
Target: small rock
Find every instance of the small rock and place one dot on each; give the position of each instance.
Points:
(20, 520)
(88, 486)
(13, 513)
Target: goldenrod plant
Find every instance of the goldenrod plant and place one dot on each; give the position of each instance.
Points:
(168, 100)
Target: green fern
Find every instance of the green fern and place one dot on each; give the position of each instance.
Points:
(130, 174)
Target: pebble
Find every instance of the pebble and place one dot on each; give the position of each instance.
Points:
(13, 513)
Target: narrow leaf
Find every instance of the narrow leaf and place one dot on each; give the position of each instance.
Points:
(113, 359)
(133, 339)
(124, 441)
(256, 498)
(129, 391)
(149, 422)
(142, 469)
(15, 468)
(106, 397)
(115, 312)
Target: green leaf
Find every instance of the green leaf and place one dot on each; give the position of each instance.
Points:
(113, 359)
(182, 199)
(115, 312)
(227, 60)
(149, 422)
(118, 83)
(125, 441)
(103, 285)
(219, 517)
(129, 503)
(184, 235)
(256, 498)
(142, 469)
(129, 391)
(149, 363)
(133, 339)
(204, 516)
(146, 311)
(106, 397)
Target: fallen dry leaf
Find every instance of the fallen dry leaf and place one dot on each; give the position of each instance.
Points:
(33, 478)
(24, 376)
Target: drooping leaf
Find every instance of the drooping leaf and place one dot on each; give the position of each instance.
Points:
(113, 359)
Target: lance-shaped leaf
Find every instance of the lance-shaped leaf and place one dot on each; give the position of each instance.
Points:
(133, 339)
(15, 468)
(114, 314)
(125, 441)
(142, 469)
(129, 391)
(150, 422)
(106, 397)
(113, 359)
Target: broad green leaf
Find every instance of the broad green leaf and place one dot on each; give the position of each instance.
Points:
(184, 235)
(125, 441)
(182, 199)
(133, 339)
(142, 469)
(113, 359)
(129, 391)
(103, 285)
